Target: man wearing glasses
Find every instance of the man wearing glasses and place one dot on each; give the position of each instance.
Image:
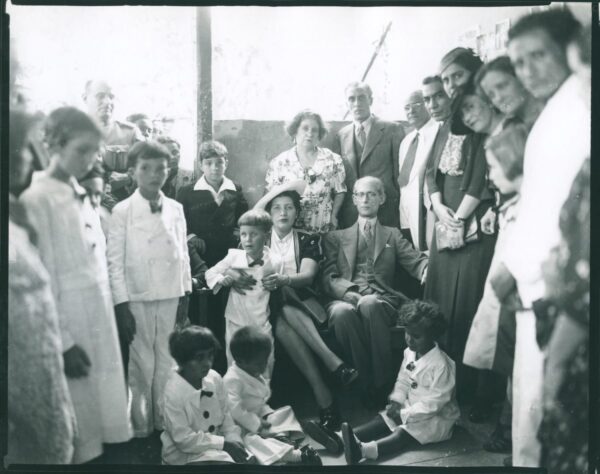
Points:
(361, 263)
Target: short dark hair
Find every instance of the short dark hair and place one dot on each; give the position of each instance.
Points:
(583, 41)
(292, 127)
(425, 314)
(248, 343)
(65, 123)
(135, 117)
(97, 171)
(212, 149)
(432, 79)
(256, 218)
(293, 195)
(164, 139)
(508, 147)
(464, 57)
(148, 150)
(500, 64)
(185, 343)
(559, 24)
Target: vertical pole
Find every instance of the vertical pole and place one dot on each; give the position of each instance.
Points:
(204, 68)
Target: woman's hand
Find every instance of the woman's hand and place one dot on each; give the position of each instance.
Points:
(488, 222)
(334, 222)
(77, 362)
(236, 450)
(446, 216)
(241, 281)
(352, 297)
(274, 281)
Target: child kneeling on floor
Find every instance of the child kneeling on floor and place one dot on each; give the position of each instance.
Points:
(248, 392)
(198, 426)
(422, 406)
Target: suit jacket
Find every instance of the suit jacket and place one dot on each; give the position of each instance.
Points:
(379, 159)
(147, 258)
(391, 249)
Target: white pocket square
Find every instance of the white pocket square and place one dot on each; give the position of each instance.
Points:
(388, 246)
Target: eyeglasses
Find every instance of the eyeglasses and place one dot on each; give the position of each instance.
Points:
(368, 194)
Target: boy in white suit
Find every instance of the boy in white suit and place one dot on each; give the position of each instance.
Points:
(149, 272)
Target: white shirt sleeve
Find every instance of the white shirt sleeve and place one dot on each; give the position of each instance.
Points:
(432, 401)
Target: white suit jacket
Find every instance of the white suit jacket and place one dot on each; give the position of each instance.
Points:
(147, 253)
(247, 397)
(412, 195)
(554, 153)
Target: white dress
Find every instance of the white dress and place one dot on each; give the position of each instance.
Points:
(73, 249)
(197, 422)
(426, 390)
(248, 396)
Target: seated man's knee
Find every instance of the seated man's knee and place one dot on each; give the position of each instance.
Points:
(340, 313)
(367, 304)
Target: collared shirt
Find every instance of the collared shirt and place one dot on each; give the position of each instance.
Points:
(141, 205)
(410, 193)
(366, 124)
(283, 253)
(226, 185)
(362, 222)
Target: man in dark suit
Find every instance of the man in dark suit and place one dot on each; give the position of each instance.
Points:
(360, 268)
(369, 147)
(438, 105)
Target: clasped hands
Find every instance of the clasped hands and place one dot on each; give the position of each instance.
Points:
(240, 281)
(393, 411)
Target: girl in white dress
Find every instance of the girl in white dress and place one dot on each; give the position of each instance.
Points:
(422, 406)
(73, 249)
(248, 392)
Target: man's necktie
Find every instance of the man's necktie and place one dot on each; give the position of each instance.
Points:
(361, 137)
(368, 232)
(258, 262)
(155, 206)
(409, 161)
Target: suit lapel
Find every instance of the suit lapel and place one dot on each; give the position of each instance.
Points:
(347, 137)
(382, 234)
(350, 245)
(373, 138)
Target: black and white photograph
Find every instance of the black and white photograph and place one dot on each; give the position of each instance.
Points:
(287, 235)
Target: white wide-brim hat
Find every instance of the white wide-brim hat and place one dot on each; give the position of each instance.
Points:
(297, 185)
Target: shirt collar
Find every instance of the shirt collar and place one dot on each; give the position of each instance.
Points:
(138, 196)
(285, 240)
(363, 220)
(365, 123)
(226, 185)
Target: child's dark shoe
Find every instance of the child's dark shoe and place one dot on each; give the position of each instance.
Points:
(345, 375)
(310, 457)
(324, 436)
(351, 446)
(330, 417)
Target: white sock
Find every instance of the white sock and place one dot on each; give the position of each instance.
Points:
(369, 450)
(295, 455)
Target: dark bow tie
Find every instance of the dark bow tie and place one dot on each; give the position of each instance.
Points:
(258, 262)
(205, 393)
(155, 206)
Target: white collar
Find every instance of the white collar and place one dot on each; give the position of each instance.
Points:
(429, 126)
(366, 124)
(285, 240)
(138, 196)
(226, 185)
(363, 220)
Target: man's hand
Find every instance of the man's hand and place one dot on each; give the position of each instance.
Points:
(125, 322)
(236, 450)
(241, 281)
(393, 411)
(77, 362)
(352, 297)
(488, 222)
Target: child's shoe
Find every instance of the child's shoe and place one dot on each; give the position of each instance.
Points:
(330, 417)
(351, 446)
(310, 457)
(324, 436)
(345, 375)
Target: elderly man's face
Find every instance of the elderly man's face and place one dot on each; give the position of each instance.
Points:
(415, 110)
(368, 198)
(436, 101)
(100, 101)
(359, 103)
(540, 63)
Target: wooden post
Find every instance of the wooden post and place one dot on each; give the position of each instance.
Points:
(204, 68)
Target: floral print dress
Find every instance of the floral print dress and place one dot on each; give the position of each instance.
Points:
(324, 180)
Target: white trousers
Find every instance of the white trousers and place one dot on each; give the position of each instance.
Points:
(527, 393)
(231, 328)
(150, 363)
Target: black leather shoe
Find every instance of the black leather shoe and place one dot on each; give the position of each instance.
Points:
(310, 457)
(345, 375)
(351, 446)
(324, 436)
(330, 417)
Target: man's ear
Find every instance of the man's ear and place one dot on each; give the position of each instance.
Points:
(382, 195)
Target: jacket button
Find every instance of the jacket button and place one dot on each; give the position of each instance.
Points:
(211, 428)
(206, 414)
(413, 385)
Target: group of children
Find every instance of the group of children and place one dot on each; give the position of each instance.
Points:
(205, 418)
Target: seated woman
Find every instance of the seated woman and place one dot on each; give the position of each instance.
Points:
(321, 169)
(423, 406)
(298, 254)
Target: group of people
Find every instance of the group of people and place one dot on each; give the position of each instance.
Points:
(465, 240)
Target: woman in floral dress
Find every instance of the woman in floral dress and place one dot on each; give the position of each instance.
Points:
(321, 169)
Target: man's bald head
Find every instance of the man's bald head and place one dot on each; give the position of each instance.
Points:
(99, 98)
(415, 110)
